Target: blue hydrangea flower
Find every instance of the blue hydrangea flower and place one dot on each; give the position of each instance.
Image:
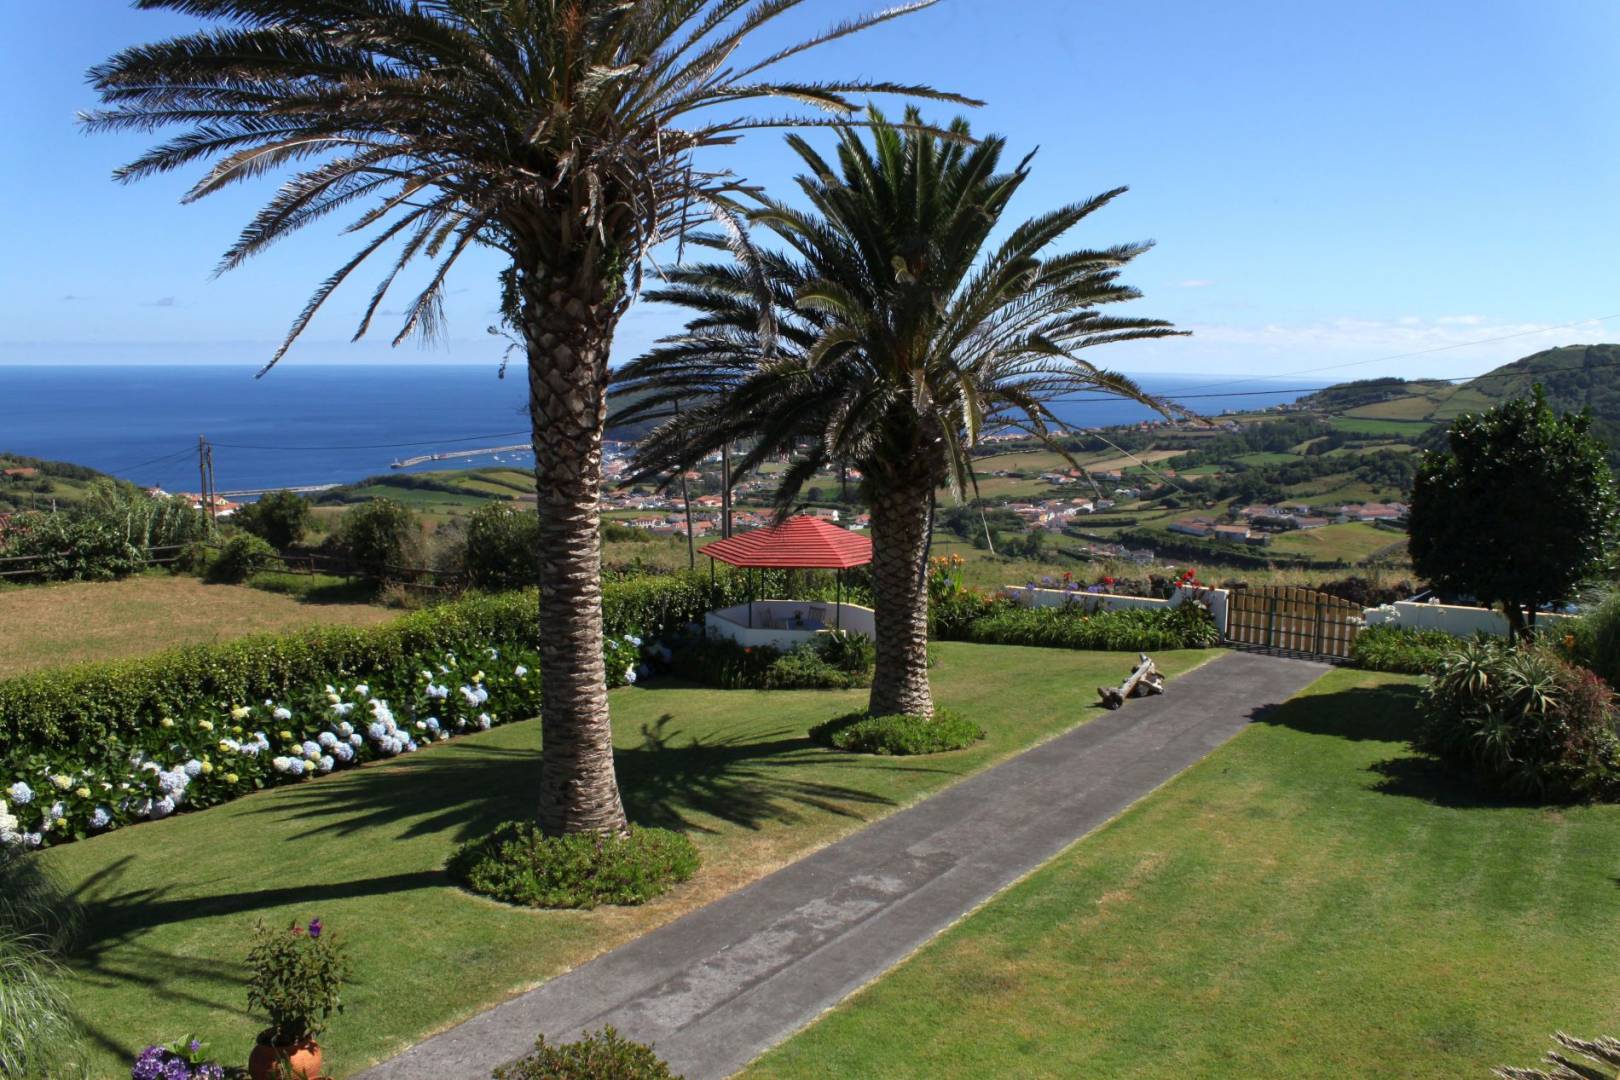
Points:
(310, 748)
(193, 768)
(327, 764)
(295, 766)
(20, 793)
(100, 818)
(327, 740)
(162, 808)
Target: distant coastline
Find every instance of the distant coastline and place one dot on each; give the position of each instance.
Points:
(338, 423)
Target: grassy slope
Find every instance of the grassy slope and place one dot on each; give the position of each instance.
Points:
(170, 903)
(53, 625)
(1311, 900)
(1351, 542)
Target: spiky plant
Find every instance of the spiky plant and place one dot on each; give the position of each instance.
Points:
(569, 135)
(1604, 1052)
(893, 335)
(38, 920)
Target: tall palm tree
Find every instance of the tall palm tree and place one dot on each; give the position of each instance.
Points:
(563, 133)
(893, 336)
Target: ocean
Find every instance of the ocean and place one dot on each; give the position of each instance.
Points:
(328, 424)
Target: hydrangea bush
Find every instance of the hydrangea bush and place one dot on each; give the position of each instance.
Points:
(232, 748)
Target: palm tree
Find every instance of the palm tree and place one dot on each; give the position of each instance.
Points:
(893, 336)
(565, 134)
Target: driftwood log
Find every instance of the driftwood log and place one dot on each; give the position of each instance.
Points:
(1144, 679)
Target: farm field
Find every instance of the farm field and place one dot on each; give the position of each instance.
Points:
(1311, 900)
(732, 768)
(1403, 429)
(54, 625)
(1351, 542)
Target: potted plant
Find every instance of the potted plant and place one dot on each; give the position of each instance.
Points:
(296, 978)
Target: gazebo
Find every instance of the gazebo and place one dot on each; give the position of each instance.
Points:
(801, 542)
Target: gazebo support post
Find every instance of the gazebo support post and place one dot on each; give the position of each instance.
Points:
(750, 598)
(838, 595)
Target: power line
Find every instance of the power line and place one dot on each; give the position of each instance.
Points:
(377, 446)
(155, 461)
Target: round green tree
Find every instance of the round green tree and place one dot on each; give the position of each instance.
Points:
(1518, 510)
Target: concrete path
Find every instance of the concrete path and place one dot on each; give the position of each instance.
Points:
(716, 988)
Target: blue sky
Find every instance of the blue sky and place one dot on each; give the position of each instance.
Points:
(1328, 184)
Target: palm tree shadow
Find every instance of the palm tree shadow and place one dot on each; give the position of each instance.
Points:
(741, 780)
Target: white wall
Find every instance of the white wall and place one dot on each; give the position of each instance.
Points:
(1451, 618)
(732, 622)
(1093, 602)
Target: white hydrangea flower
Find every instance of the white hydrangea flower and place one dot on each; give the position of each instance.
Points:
(281, 764)
(20, 793)
(327, 764)
(282, 713)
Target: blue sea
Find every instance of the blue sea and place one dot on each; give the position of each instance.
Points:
(326, 424)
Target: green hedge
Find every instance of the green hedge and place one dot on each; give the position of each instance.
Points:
(92, 703)
(1402, 649)
(1189, 626)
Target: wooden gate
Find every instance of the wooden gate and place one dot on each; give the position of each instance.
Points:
(1292, 620)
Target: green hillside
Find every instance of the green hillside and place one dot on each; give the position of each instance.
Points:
(28, 483)
(1574, 376)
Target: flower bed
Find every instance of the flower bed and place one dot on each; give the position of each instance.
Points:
(202, 726)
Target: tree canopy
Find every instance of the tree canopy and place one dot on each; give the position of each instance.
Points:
(1520, 508)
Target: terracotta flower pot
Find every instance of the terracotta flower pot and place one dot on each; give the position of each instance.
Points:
(273, 1061)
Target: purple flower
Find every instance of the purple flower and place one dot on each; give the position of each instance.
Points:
(176, 1069)
(149, 1066)
(194, 1046)
(315, 929)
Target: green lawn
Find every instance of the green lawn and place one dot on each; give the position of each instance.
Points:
(170, 903)
(1312, 900)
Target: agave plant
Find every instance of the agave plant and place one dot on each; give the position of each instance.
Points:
(1602, 1061)
(568, 135)
(891, 336)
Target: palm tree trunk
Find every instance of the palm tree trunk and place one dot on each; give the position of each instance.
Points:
(900, 586)
(569, 332)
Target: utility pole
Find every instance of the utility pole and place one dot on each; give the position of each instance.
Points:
(686, 499)
(725, 490)
(205, 475)
(213, 493)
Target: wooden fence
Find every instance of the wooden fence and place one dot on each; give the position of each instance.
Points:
(1291, 619)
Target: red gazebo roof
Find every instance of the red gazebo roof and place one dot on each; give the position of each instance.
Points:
(799, 543)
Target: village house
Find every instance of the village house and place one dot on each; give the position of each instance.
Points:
(1197, 525)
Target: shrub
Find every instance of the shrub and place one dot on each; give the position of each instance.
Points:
(71, 547)
(834, 661)
(1524, 721)
(295, 978)
(1402, 649)
(382, 538)
(519, 864)
(1189, 626)
(1593, 637)
(900, 734)
(502, 547)
(602, 1055)
(280, 519)
(847, 651)
(93, 704)
(241, 557)
(38, 1038)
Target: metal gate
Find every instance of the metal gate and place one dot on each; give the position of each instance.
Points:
(1291, 619)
